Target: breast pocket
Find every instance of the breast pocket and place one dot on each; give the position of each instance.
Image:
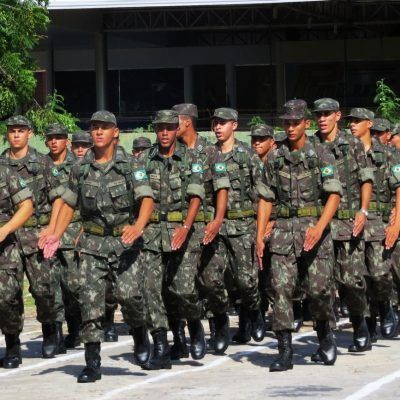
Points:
(5, 201)
(89, 193)
(120, 195)
(175, 184)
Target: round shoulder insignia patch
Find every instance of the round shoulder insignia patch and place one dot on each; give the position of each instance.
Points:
(22, 183)
(55, 171)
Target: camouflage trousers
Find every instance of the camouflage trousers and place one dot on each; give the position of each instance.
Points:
(235, 253)
(350, 273)
(67, 284)
(395, 267)
(11, 288)
(313, 275)
(379, 277)
(264, 283)
(123, 274)
(41, 277)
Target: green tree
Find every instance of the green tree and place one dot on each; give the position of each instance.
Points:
(22, 25)
(387, 101)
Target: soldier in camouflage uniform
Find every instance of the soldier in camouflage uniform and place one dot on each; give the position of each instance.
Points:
(107, 188)
(46, 189)
(349, 221)
(301, 180)
(61, 161)
(216, 184)
(81, 142)
(15, 209)
(377, 256)
(171, 244)
(232, 251)
(139, 145)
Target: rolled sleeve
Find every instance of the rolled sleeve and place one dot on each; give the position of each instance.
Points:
(143, 191)
(70, 197)
(56, 192)
(195, 189)
(264, 192)
(331, 186)
(366, 175)
(221, 183)
(22, 195)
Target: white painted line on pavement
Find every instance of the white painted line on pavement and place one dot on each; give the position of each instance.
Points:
(59, 359)
(210, 365)
(373, 386)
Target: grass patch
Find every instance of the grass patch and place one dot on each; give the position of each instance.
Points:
(29, 302)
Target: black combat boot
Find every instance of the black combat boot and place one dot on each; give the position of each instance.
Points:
(257, 325)
(372, 324)
(243, 335)
(388, 321)
(297, 315)
(61, 349)
(198, 344)
(142, 349)
(222, 336)
(12, 358)
(91, 373)
(161, 355)
(327, 350)
(49, 346)
(211, 341)
(285, 359)
(110, 334)
(72, 339)
(361, 335)
(179, 349)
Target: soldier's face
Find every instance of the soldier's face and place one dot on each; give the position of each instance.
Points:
(395, 141)
(166, 134)
(223, 129)
(327, 120)
(18, 136)
(104, 134)
(262, 145)
(56, 143)
(80, 149)
(383, 137)
(295, 128)
(136, 152)
(360, 127)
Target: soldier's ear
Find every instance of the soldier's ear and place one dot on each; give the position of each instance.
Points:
(369, 123)
(338, 116)
(235, 125)
(116, 132)
(307, 123)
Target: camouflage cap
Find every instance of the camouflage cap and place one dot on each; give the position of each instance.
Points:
(141, 142)
(395, 128)
(361, 113)
(166, 117)
(294, 109)
(56, 129)
(262, 130)
(186, 109)
(381, 125)
(104, 116)
(18, 120)
(226, 113)
(82, 137)
(326, 104)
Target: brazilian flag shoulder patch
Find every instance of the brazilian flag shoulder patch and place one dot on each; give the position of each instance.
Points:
(396, 170)
(220, 167)
(197, 168)
(22, 183)
(327, 171)
(55, 171)
(140, 174)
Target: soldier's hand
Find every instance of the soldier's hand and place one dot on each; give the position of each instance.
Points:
(313, 235)
(260, 246)
(392, 233)
(130, 233)
(359, 223)
(268, 229)
(43, 236)
(178, 237)
(211, 231)
(3, 233)
(51, 246)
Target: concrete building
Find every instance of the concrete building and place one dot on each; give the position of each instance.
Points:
(134, 57)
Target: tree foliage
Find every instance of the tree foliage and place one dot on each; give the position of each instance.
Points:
(387, 101)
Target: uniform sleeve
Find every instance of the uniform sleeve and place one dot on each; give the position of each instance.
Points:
(219, 170)
(17, 187)
(329, 173)
(394, 170)
(70, 194)
(264, 185)
(141, 183)
(365, 172)
(196, 182)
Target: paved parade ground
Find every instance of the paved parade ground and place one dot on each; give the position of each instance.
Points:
(241, 374)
